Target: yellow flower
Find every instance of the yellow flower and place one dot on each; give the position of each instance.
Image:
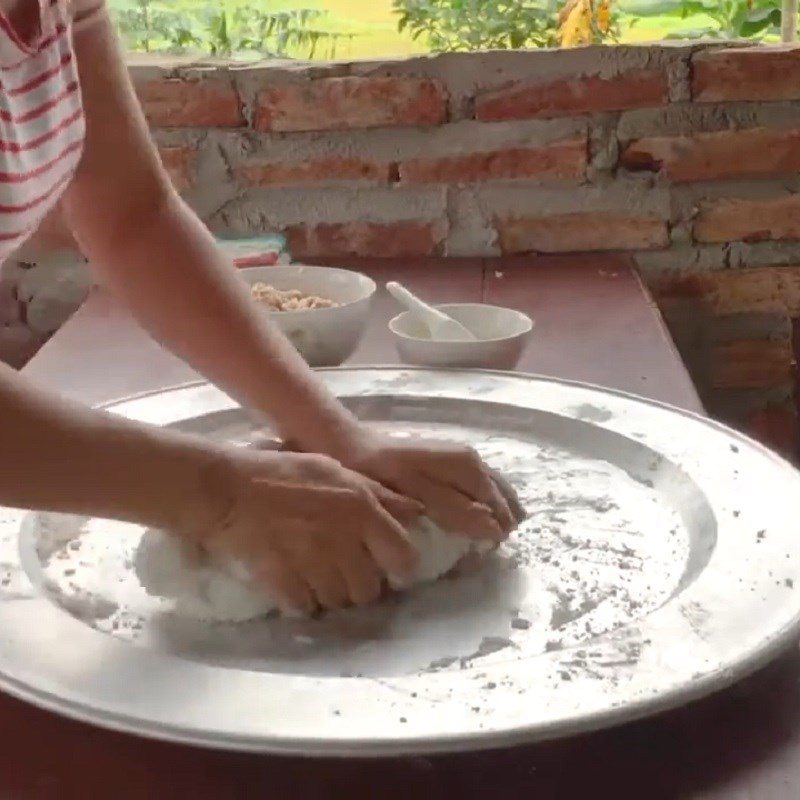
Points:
(565, 12)
(604, 16)
(576, 23)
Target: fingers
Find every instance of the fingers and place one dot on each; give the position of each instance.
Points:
(379, 546)
(461, 468)
(454, 511)
(386, 541)
(361, 575)
(510, 496)
(501, 510)
(404, 509)
(339, 571)
(348, 532)
(326, 582)
(464, 470)
(321, 582)
(290, 592)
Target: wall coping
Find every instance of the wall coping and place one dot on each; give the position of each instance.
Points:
(590, 55)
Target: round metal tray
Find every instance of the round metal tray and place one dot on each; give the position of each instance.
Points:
(659, 563)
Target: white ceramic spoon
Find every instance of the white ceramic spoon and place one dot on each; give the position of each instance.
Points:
(442, 328)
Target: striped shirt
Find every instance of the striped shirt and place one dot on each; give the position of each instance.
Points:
(42, 125)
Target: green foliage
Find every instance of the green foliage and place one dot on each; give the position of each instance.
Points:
(452, 25)
(147, 24)
(721, 19)
(224, 29)
(279, 28)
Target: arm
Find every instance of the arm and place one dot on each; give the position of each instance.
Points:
(150, 249)
(315, 531)
(59, 456)
(153, 252)
(276, 511)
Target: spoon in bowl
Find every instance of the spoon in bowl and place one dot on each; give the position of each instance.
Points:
(442, 327)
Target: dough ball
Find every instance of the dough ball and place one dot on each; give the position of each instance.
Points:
(206, 589)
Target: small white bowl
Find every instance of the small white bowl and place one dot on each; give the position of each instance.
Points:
(502, 335)
(325, 337)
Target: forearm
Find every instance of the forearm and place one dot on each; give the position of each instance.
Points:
(58, 456)
(173, 277)
(159, 258)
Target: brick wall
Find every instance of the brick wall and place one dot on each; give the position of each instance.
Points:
(685, 156)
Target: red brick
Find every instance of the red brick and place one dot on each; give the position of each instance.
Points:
(757, 73)
(384, 240)
(681, 285)
(177, 103)
(581, 232)
(560, 161)
(319, 170)
(569, 96)
(775, 427)
(731, 220)
(752, 364)
(350, 102)
(180, 165)
(761, 290)
(715, 156)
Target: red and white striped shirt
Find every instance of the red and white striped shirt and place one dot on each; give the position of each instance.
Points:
(41, 117)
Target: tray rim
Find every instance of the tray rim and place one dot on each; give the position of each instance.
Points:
(471, 741)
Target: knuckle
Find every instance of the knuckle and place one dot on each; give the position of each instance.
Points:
(325, 466)
(361, 489)
(319, 466)
(328, 463)
(354, 500)
(368, 502)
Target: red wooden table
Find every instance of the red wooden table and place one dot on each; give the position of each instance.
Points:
(594, 323)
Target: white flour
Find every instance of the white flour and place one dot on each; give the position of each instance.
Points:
(218, 592)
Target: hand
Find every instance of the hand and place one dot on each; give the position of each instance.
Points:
(456, 488)
(314, 532)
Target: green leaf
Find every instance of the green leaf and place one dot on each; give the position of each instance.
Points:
(762, 22)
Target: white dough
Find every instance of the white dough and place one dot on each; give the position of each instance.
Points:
(211, 591)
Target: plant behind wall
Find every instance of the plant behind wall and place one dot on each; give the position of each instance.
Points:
(234, 28)
(715, 19)
(463, 25)
(309, 29)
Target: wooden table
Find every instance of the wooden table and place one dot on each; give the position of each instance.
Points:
(594, 323)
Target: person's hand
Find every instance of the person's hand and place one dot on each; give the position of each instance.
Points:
(311, 531)
(458, 491)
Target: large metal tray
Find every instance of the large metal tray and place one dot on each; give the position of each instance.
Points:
(660, 562)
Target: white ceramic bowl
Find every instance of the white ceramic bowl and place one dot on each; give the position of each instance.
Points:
(325, 337)
(502, 335)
